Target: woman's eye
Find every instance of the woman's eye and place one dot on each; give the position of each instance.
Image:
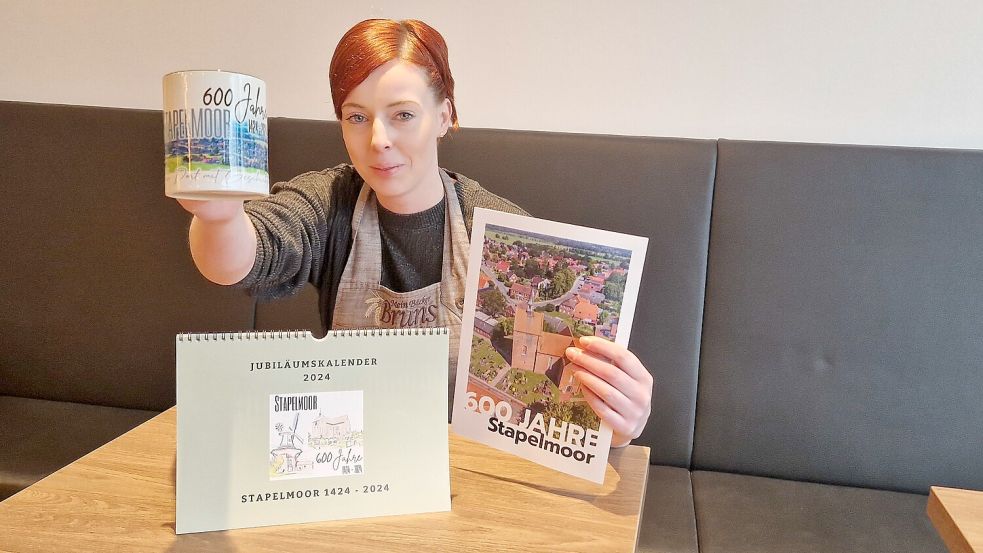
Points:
(404, 116)
(356, 118)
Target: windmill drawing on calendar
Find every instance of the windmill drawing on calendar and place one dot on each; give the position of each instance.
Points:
(316, 434)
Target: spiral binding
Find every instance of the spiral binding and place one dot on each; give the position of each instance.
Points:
(305, 334)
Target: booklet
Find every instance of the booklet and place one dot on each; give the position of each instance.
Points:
(533, 287)
(282, 427)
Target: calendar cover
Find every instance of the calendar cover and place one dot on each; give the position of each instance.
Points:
(533, 288)
(282, 427)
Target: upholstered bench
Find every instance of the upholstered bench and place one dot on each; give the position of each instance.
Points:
(810, 312)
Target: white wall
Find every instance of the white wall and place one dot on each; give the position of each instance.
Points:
(905, 72)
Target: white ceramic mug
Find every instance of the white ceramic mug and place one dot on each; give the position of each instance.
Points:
(215, 136)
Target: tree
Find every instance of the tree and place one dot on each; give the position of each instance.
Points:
(614, 288)
(508, 325)
(504, 328)
(614, 291)
(561, 411)
(494, 302)
(581, 329)
(532, 268)
(584, 416)
(562, 282)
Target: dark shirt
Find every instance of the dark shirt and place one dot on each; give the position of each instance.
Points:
(412, 247)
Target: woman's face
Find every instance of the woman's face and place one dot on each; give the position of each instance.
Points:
(390, 123)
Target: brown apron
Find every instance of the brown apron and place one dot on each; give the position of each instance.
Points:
(363, 302)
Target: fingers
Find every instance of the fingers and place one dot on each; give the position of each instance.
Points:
(618, 354)
(616, 365)
(619, 425)
(610, 373)
(615, 384)
(212, 210)
(614, 399)
(629, 416)
(189, 205)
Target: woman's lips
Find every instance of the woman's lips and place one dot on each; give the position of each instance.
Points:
(386, 170)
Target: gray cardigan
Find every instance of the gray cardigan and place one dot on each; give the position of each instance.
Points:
(304, 234)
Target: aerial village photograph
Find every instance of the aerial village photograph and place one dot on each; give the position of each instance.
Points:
(536, 295)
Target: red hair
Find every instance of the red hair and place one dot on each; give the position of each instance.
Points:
(374, 42)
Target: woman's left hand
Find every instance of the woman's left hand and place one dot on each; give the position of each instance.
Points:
(615, 384)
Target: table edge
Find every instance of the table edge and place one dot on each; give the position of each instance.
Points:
(945, 526)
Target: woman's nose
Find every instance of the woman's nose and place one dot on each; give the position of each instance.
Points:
(380, 135)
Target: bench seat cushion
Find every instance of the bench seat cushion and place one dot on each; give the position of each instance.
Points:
(736, 513)
(41, 436)
(668, 519)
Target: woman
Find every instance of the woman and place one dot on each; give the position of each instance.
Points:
(365, 233)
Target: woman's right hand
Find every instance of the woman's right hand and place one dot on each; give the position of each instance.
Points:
(212, 211)
(222, 239)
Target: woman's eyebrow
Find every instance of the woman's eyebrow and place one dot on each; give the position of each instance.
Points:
(394, 104)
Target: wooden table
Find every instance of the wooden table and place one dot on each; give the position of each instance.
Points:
(121, 498)
(958, 517)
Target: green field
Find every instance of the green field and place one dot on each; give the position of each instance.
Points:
(509, 238)
(173, 162)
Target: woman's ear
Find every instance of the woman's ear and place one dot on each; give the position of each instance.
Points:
(445, 116)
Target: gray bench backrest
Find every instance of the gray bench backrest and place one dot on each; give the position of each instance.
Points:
(841, 339)
(842, 332)
(97, 274)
